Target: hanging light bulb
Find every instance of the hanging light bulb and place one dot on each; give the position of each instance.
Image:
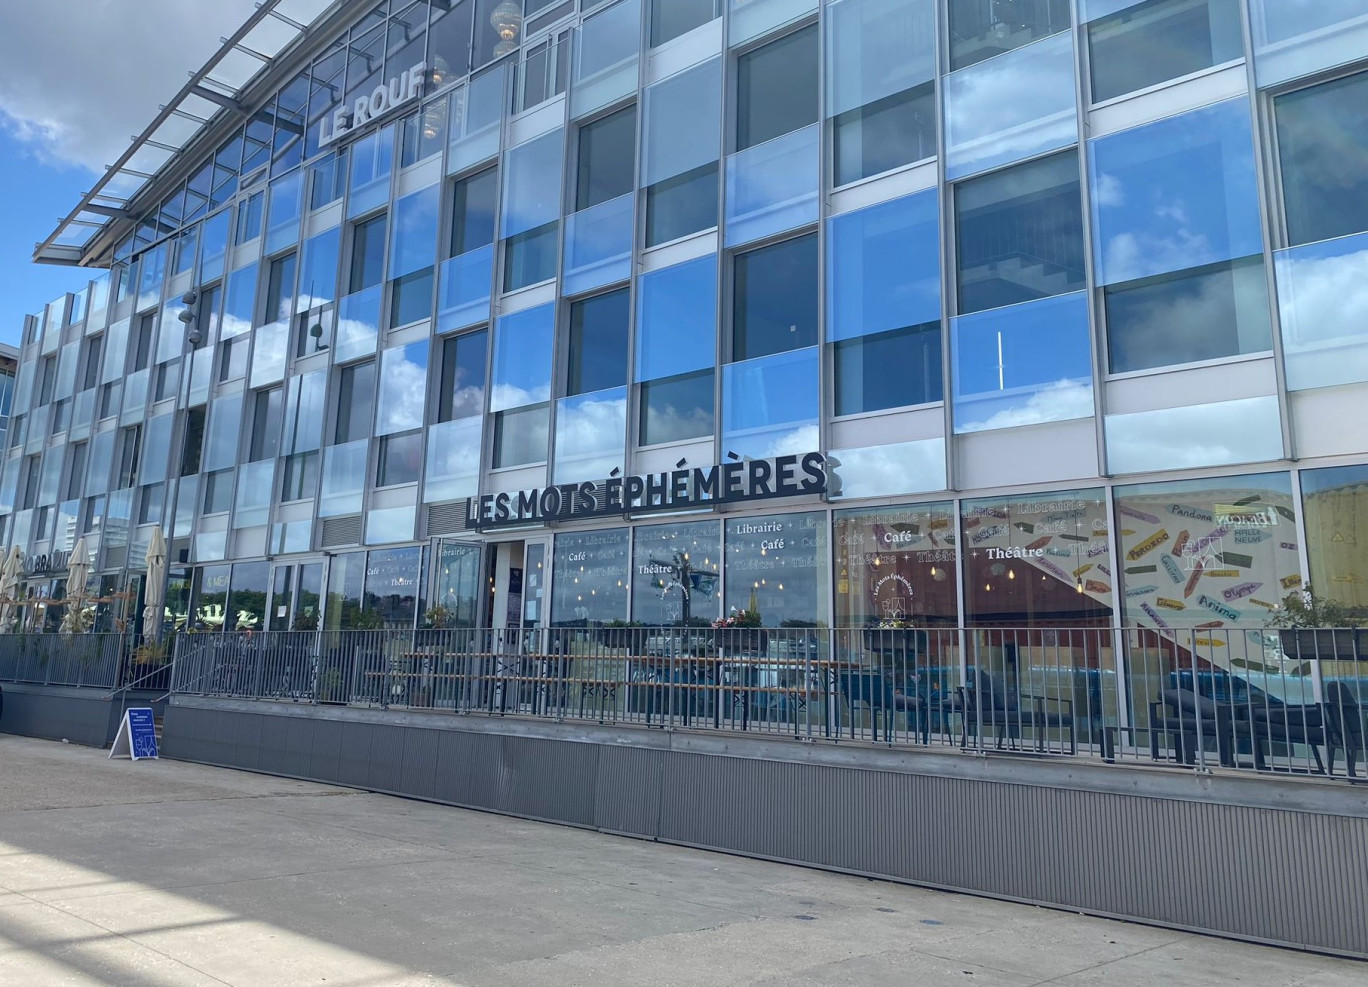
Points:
(1011, 573)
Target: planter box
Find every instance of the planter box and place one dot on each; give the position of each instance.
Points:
(1339, 643)
(895, 641)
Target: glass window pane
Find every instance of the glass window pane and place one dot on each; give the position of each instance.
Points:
(372, 159)
(1032, 561)
(894, 564)
(589, 586)
(677, 408)
(368, 254)
(778, 567)
(1323, 302)
(523, 347)
(253, 503)
(280, 288)
(1019, 234)
(449, 34)
(598, 342)
(1023, 364)
(885, 470)
(520, 437)
(598, 245)
(680, 140)
(287, 201)
(475, 118)
(358, 324)
(269, 352)
(590, 432)
(1175, 194)
(304, 411)
(1324, 162)
(772, 187)
(671, 18)
(881, 69)
(355, 402)
(604, 167)
(239, 305)
(676, 207)
(1333, 500)
(685, 294)
(411, 299)
(770, 405)
(247, 598)
(464, 289)
(401, 461)
(413, 240)
(1147, 43)
(344, 478)
(530, 258)
(218, 492)
(532, 184)
(1201, 314)
(225, 425)
(888, 369)
(214, 245)
(473, 208)
(1217, 434)
(775, 299)
(453, 460)
(883, 267)
(387, 525)
(676, 574)
(981, 30)
(403, 388)
(318, 271)
(1299, 37)
(1011, 107)
(1173, 531)
(752, 18)
(776, 89)
(463, 376)
(606, 48)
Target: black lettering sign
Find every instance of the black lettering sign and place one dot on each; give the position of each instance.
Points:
(679, 489)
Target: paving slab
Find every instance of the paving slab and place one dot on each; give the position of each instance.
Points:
(167, 873)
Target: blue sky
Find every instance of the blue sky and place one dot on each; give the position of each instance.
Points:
(77, 77)
(36, 197)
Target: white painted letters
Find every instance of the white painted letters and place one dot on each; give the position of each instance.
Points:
(408, 85)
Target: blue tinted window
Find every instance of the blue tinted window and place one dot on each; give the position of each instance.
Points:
(1146, 43)
(1023, 364)
(1324, 159)
(979, 30)
(1175, 194)
(532, 184)
(413, 238)
(888, 369)
(769, 405)
(675, 408)
(598, 342)
(883, 267)
(1019, 234)
(775, 299)
(676, 319)
(523, 345)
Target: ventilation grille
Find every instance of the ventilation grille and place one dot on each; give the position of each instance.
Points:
(338, 531)
(447, 519)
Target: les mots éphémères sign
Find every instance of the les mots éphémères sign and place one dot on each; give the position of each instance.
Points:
(674, 490)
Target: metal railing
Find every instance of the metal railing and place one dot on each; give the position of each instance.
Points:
(1246, 699)
(89, 660)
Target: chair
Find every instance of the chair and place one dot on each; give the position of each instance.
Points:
(1344, 725)
(1277, 723)
(1189, 718)
(990, 703)
(872, 690)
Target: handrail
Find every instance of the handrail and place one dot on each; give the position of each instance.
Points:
(167, 668)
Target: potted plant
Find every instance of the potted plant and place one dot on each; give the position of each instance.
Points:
(893, 637)
(741, 630)
(1311, 626)
(617, 633)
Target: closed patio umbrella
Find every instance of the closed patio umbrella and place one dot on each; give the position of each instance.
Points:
(153, 600)
(78, 574)
(9, 585)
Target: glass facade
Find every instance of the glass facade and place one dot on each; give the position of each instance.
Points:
(1041, 286)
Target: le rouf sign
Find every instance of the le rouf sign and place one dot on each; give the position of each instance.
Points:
(680, 489)
(373, 105)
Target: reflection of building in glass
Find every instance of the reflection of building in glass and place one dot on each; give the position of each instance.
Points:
(440, 359)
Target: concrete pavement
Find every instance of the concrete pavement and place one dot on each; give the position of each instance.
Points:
(166, 873)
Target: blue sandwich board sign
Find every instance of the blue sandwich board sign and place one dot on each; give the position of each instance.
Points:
(137, 736)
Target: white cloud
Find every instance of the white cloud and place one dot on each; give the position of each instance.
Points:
(78, 77)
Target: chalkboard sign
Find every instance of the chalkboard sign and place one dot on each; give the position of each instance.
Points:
(137, 736)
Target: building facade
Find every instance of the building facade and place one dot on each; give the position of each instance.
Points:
(981, 313)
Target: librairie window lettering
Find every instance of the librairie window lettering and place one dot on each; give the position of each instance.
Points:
(726, 483)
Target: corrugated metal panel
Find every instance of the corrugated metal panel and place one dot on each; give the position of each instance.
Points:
(298, 745)
(325, 754)
(275, 754)
(1271, 874)
(627, 795)
(447, 519)
(418, 774)
(247, 739)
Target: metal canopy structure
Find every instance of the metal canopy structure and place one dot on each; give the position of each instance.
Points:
(217, 93)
